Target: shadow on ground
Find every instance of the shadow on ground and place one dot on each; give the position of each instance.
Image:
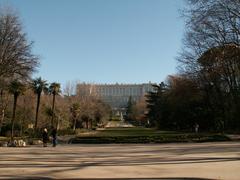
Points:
(47, 163)
(166, 178)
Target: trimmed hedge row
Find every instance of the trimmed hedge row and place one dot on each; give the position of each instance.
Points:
(148, 139)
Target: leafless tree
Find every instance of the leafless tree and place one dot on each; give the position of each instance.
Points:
(210, 53)
(16, 58)
(70, 88)
(209, 23)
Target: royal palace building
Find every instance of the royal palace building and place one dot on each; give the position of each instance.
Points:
(116, 95)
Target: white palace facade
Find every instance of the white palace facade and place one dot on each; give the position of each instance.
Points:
(116, 95)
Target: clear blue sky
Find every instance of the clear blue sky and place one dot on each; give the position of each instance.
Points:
(103, 41)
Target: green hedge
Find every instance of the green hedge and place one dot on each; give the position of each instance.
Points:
(149, 139)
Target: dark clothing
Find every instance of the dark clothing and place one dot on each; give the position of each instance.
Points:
(54, 133)
(54, 137)
(45, 138)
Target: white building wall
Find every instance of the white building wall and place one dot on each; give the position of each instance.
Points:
(116, 95)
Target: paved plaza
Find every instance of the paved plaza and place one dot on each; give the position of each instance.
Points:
(125, 161)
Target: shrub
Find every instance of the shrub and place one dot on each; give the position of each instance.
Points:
(6, 129)
(68, 131)
(33, 133)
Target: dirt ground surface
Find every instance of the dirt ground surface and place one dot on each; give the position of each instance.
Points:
(123, 161)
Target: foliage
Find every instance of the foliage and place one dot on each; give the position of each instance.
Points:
(16, 57)
(67, 131)
(156, 106)
(38, 85)
(75, 112)
(211, 59)
(207, 89)
(130, 110)
(6, 129)
(54, 89)
(16, 88)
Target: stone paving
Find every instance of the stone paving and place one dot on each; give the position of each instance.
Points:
(124, 161)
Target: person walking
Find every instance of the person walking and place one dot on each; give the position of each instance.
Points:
(54, 137)
(196, 127)
(45, 137)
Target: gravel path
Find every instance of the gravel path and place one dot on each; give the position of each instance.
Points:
(125, 161)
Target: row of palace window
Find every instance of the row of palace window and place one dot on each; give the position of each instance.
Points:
(120, 91)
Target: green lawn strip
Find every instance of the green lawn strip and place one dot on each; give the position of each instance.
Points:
(131, 132)
(143, 135)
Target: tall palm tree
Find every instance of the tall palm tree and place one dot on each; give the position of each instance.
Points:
(16, 88)
(38, 85)
(54, 89)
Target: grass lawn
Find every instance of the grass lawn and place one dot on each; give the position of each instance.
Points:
(134, 131)
(144, 135)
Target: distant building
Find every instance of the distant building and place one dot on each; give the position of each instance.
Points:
(116, 95)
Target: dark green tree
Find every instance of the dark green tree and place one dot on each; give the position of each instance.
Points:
(130, 110)
(16, 88)
(54, 89)
(155, 105)
(38, 85)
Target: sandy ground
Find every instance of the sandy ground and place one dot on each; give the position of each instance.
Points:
(125, 161)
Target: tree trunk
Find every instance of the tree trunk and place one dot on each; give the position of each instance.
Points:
(74, 124)
(91, 122)
(87, 123)
(2, 111)
(53, 106)
(37, 109)
(13, 116)
(58, 123)
(21, 130)
(2, 119)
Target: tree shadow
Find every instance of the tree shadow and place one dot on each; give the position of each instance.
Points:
(160, 178)
(51, 161)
